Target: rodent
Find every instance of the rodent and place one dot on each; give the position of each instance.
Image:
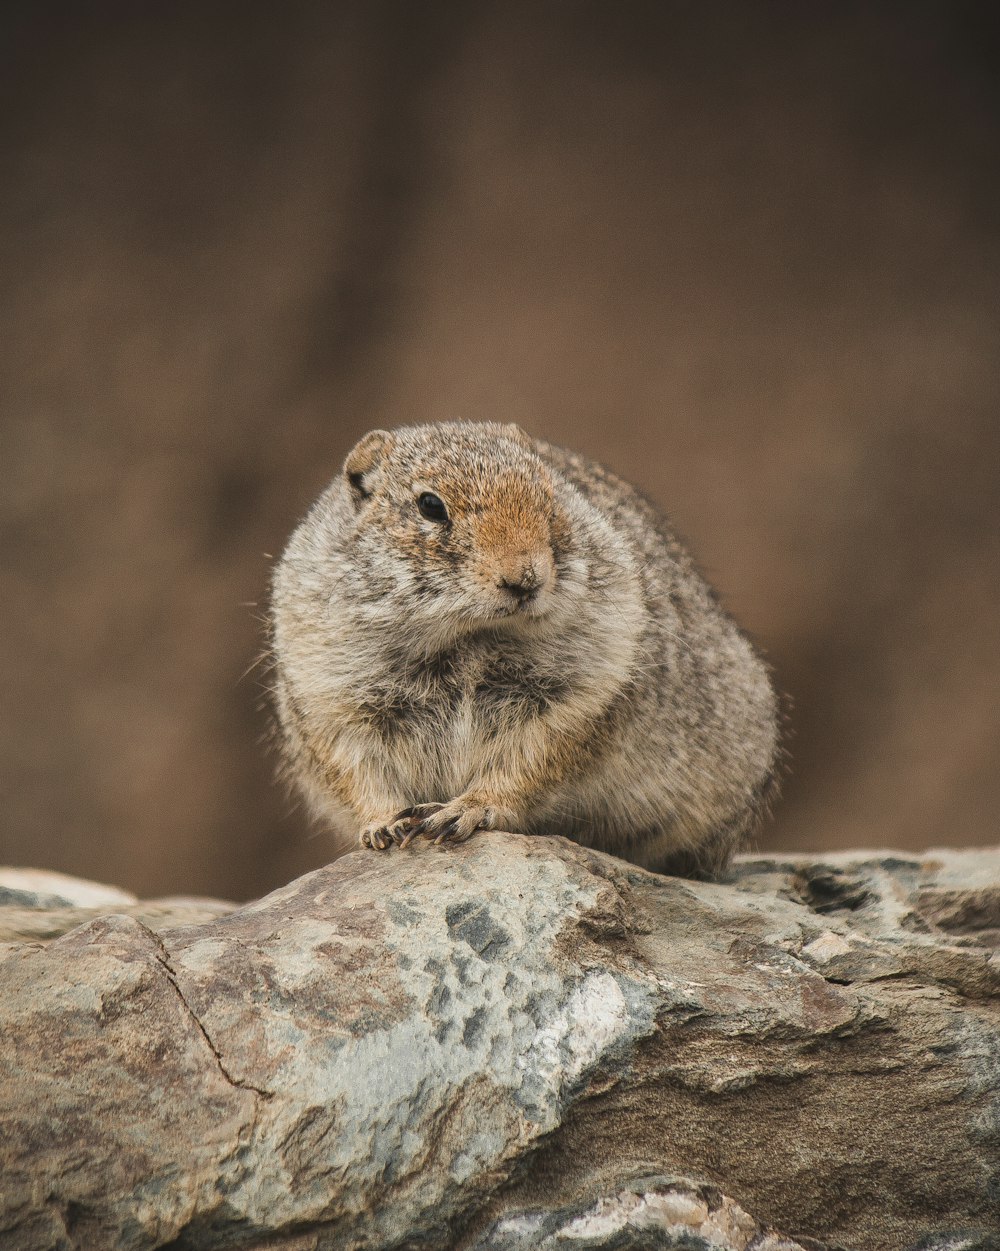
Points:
(473, 629)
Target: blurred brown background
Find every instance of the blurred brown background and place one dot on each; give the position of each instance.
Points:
(744, 253)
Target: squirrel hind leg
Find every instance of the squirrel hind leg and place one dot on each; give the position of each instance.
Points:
(708, 860)
(691, 863)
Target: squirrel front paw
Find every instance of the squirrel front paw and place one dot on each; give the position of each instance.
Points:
(452, 822)
(397, 831)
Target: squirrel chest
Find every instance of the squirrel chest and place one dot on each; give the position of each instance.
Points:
(432, 721)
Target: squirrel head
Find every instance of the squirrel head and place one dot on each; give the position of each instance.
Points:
(459, 525)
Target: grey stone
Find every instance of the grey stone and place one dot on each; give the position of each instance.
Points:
(38, 905)
(43, 888)
(518, 1043)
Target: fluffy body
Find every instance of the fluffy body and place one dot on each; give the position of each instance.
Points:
(547, 660)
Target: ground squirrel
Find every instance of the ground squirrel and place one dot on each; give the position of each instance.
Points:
(475, 630)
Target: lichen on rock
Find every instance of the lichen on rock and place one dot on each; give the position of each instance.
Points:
(515, 1043)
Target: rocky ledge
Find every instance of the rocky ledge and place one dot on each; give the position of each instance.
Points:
(516, 1043)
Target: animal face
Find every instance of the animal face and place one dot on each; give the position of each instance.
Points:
(464, 527)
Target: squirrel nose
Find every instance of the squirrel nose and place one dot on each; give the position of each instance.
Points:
(524, 592)
(525, 580)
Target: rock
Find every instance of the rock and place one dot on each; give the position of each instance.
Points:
(36, 904)
(42, 888)
(518, 1043)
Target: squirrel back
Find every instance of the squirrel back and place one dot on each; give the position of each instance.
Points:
(473, 629)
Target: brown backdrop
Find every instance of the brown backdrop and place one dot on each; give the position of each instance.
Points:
(746, 254)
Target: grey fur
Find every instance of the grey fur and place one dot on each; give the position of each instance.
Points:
(619, 704)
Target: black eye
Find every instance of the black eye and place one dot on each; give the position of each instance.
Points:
(432, 507)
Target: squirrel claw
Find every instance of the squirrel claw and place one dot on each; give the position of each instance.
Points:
(375, 838)
(398, 831)
(419, 812)
(445, 834)
(372, 837)
(454, 822)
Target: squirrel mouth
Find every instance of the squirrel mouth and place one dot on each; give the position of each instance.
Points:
(525, 610)
(523, 598)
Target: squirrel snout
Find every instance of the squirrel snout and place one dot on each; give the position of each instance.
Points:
(524, 592)
(515, 562)
(526, 578)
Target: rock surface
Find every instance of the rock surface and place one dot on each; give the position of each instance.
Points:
(39, 904)
(516, 1043)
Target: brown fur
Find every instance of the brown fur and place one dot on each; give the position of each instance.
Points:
(546, 660)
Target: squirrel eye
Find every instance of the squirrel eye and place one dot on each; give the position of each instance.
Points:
(432, 507)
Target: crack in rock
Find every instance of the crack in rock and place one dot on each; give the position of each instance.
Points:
(478, 1048)
(236, 1082)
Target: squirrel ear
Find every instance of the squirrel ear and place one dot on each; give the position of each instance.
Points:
(514, 431)
(364, 457)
